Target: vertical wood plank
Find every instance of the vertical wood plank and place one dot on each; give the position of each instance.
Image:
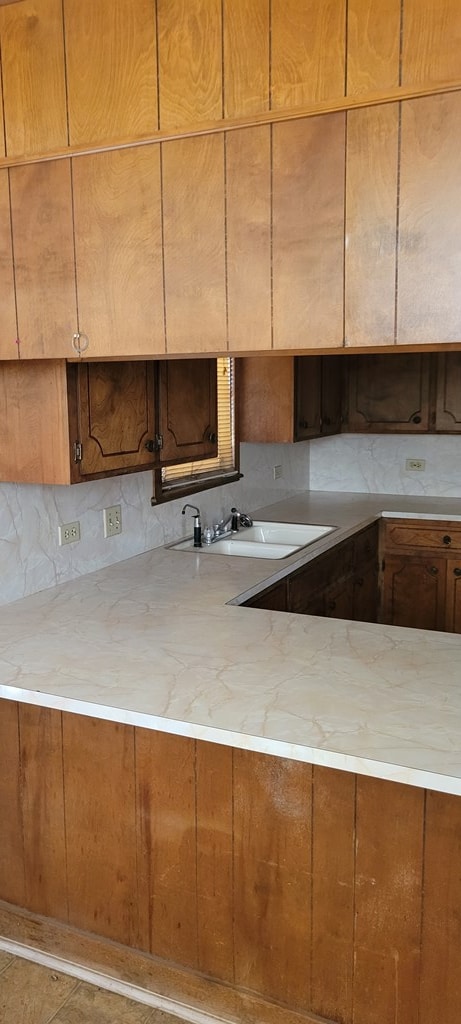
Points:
(43, 811)
(441, 936)
(167, 845)
(389, 866)
(99, 792)
(8, 326)
(12, 886)
(272, 876)
(308, 232)
(190, 61)
(35, 448)
(308, 44)
(373, 45)
(118, 245)
(333, 838)
(214, 860)
(429, 257)
(246, 39)
(41, 210)
(194, 219)
(111, 69)
(248, 189)
(371, 225)
(431, 41)
(34, 90)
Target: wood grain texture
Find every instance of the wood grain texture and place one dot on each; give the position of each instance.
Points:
(371, 225)
(248, 223)
(41, 210)
(167, 845)
(111, 58)
(308, 232)
(431, 49)
(272, 876)
(453, 595)
(8, 325)
(448, 397)
(40, 733)
(246, 42)
(441, 936)
(308, 43)
(188, 409)
(34, 90)
(388, 884)
(101, 832)
(12, 876)
(333, 831)
(215, 902)
(373, 45)
(35, 448)
(115, 402)
(190, 61)
(118, 244)
(266, 398)
(194, 218)
(429, 257)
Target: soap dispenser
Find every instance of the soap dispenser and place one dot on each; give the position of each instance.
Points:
(197, 524)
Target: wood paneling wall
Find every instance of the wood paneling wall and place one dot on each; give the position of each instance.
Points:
(327, 892)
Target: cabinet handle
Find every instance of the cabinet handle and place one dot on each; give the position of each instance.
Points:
(416, 419)
(447, 540)
(150, 445)
(434, 570)
(212, 438)
(457, 572)
(80, 343)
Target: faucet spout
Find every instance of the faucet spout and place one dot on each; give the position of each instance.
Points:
(197, 524)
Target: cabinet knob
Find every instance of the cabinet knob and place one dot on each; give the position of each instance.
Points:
(80, 342)
(457, 572)
(150, 445)
(416, 419)
(212, 438)
(447, 540)
(434, 570)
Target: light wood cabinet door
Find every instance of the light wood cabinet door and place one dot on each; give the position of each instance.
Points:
(431, 41)
(308, 52)
(8, 325)
(118, 249)
(190, 68)
(41, 210)
(388, 393)
(413, 591)
(373, 45)
(188, 410)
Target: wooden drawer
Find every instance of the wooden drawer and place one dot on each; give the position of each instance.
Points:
(412, 535)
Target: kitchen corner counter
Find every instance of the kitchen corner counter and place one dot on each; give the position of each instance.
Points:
(159, 641)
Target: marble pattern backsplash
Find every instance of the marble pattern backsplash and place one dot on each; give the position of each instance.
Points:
(31, 559)
(375, 463)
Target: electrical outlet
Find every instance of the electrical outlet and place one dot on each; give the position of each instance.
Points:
(112, 520)
(278, 472)
(415, 465)
(69, 533)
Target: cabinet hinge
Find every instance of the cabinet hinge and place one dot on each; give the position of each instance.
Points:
(159, 442)
(77, 449)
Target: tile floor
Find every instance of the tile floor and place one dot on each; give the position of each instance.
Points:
(32, 994)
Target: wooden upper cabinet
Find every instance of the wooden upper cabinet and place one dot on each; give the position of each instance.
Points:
(34, 87)
(371, 225)
(308, 232)
(190, 61)
(118, 249)
(246, 46)
(285, 398)
(8, 324)
(188, 409)
(194, 236)
(431, 41)
(308, 52)
(111, 60)
(448, 402)
(389, 393)
(373, 45)
(41, 208)
(429, 251)
(248, 237)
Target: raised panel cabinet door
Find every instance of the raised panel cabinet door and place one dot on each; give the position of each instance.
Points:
(115, 416)
(8, 325)
(331, 395)
(188, 411)
(43, 244)
(308, 384)
(429, 254)
(389, 393)
(453, 609)
(448, 399)
(118, 247)
(339, 599)
(308, 232)
(413, 591)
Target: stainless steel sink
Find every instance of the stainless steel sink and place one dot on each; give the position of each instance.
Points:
(262, 540)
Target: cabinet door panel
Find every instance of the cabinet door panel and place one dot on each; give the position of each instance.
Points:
(429, 258)
(339, 600)
(246, 43)
(308, 232)
(115, 415)
(307, 52)
(389, 393)
(118, 243)
(331, 388)
(414, 592)
(373, 38)
(431, 50)
(266, 392)
(274, 598)
(41, 209)
(8, 326)
(190, 61)
(448, 403)
(308, 380)
(188, 409)
(453, 607)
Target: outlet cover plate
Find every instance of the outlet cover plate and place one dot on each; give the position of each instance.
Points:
(415, 465)
(112, 520)
(69, 533)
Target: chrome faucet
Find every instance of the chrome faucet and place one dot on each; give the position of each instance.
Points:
(234, 520)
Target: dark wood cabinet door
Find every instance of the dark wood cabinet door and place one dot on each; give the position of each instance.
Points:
(389, 393)
(308, 384)
(188, 411)
(331, 398)
(339, 599)
(414, 591)
(274, 598)
(305, 594)
(448, 400)
(453, 598)
(113, 405)
(366, 591)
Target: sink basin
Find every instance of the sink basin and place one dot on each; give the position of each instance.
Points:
(262, 540)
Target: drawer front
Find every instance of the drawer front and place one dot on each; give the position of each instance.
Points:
(413, 535)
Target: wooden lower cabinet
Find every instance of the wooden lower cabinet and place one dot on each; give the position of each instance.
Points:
(300, 885)
(421, 574)
(274, 599)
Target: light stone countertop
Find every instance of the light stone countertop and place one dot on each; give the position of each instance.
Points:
(153, 641)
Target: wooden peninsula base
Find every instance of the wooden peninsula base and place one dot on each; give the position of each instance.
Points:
(311, 890)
